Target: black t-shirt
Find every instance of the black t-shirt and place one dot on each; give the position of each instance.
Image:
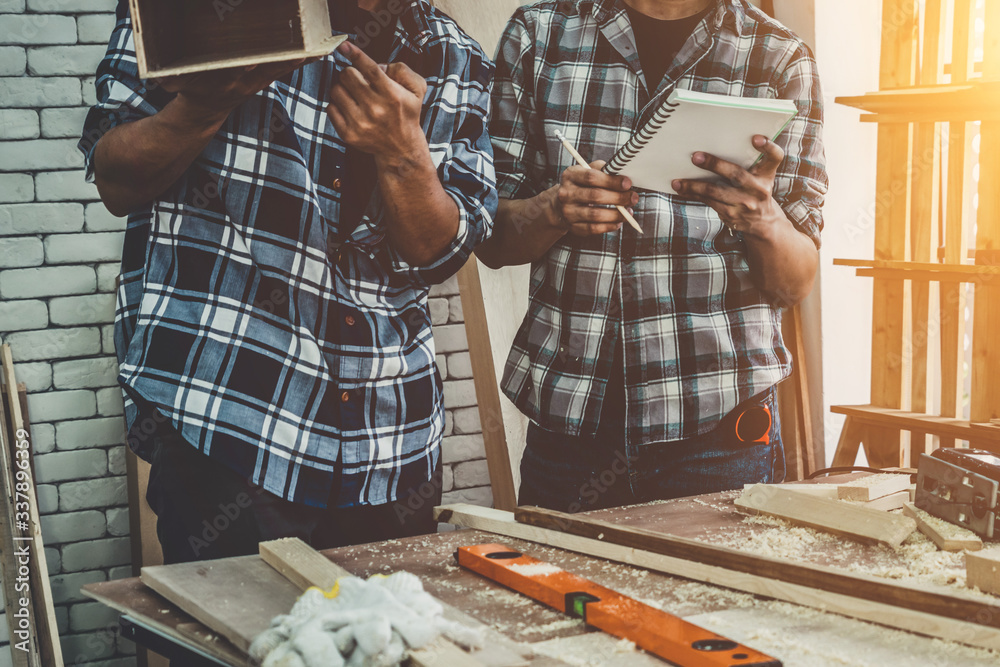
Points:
(659, 41)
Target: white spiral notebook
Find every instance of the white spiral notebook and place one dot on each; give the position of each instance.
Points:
(689, 122)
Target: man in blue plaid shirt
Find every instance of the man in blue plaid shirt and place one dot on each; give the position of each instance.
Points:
(647, 363)
(286, 222)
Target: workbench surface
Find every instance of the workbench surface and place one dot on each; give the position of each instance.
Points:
(799, 636)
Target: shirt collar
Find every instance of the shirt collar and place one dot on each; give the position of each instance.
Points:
(733, 11)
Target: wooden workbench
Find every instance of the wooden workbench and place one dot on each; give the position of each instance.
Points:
(800, 637)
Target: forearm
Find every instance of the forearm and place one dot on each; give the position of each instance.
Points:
(525, 230)
(137, 162)
(783, 262)
(421, 218)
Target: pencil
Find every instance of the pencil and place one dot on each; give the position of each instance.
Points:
(583, 163)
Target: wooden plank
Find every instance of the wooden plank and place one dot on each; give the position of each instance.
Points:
(849, 444)
(973, 271)
(8, 560)
(487, 391)
(45, 626)
(890, 502)
(943, 426)
(852, 521)
(947, 536)
(982, 571)
(301, 564)
(305, 567)
(872, 487)
(130, 596)
(236, 597)
(861, 600)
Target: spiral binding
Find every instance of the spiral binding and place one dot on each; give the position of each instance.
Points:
(639, 140)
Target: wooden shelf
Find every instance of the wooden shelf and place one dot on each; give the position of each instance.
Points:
(959, 429)
(975, 100)
(925, 271)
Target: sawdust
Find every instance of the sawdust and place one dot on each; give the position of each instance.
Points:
(872, 480)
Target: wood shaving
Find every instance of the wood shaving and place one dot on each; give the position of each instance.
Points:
(535, 569)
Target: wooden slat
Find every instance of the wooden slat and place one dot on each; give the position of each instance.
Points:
(984, 272)
(961, 96)
(832, 516)
(45, 626)
(914, 609)
(487, 390)
(954, 539)
(948, 427)
(849, 444)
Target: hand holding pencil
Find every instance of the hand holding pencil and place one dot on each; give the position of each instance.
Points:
(583, 163)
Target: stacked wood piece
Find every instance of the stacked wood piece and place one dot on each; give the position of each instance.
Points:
(30, 613)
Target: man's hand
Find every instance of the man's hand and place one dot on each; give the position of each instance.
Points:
(745, 202)
(586, 198)
(376, 108)
(217, 93)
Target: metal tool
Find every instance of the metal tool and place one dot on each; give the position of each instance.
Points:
(652, 630)
(961, 486)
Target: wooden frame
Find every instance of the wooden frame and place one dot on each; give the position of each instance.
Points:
(188, 36)
(925, 203)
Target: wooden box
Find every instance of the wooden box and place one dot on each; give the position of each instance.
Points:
(184, 36)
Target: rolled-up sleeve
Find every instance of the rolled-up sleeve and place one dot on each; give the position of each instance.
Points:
(802, 182)
(121, 95)
(456, 117)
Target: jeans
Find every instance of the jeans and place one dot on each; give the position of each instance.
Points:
(573, 474)
(206, 511)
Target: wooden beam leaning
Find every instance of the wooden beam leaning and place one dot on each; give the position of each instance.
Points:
(45, 625)
(857, 596)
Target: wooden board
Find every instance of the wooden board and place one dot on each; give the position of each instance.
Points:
(876, 610)
(130, 596)
(236, 597)
(890, 502)
(851, 521)
(947, 536)
(872, 487)
(983, 571)
(45, 627)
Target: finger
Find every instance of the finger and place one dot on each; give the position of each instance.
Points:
(338, 120)
(373, 74)
(773, 154)
(357, 86)
(710, 191)
(592, 177)
(733, 173)
(575, 213)
(581, 229)
(344, 103)
(600, 196)
(407, 78)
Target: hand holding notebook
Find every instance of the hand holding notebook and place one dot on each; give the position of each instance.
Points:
(689, 122)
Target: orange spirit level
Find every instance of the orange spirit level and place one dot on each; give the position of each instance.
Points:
(655, 631)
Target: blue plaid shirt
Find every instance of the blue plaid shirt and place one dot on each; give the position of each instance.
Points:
(698, 336)
(280, 338)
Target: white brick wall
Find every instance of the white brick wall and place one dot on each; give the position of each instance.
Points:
(59, 255)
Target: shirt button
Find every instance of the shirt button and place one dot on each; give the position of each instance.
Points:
(345, 397)
(337, 184)
(349, 320)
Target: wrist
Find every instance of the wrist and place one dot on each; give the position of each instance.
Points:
(552, 209)
(197, 114)
(405, 155)
(771, 227)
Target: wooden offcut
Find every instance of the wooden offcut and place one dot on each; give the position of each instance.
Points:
(947, 536)
(853, 521)
(189, 36)
(982, 571)
(872, 487)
